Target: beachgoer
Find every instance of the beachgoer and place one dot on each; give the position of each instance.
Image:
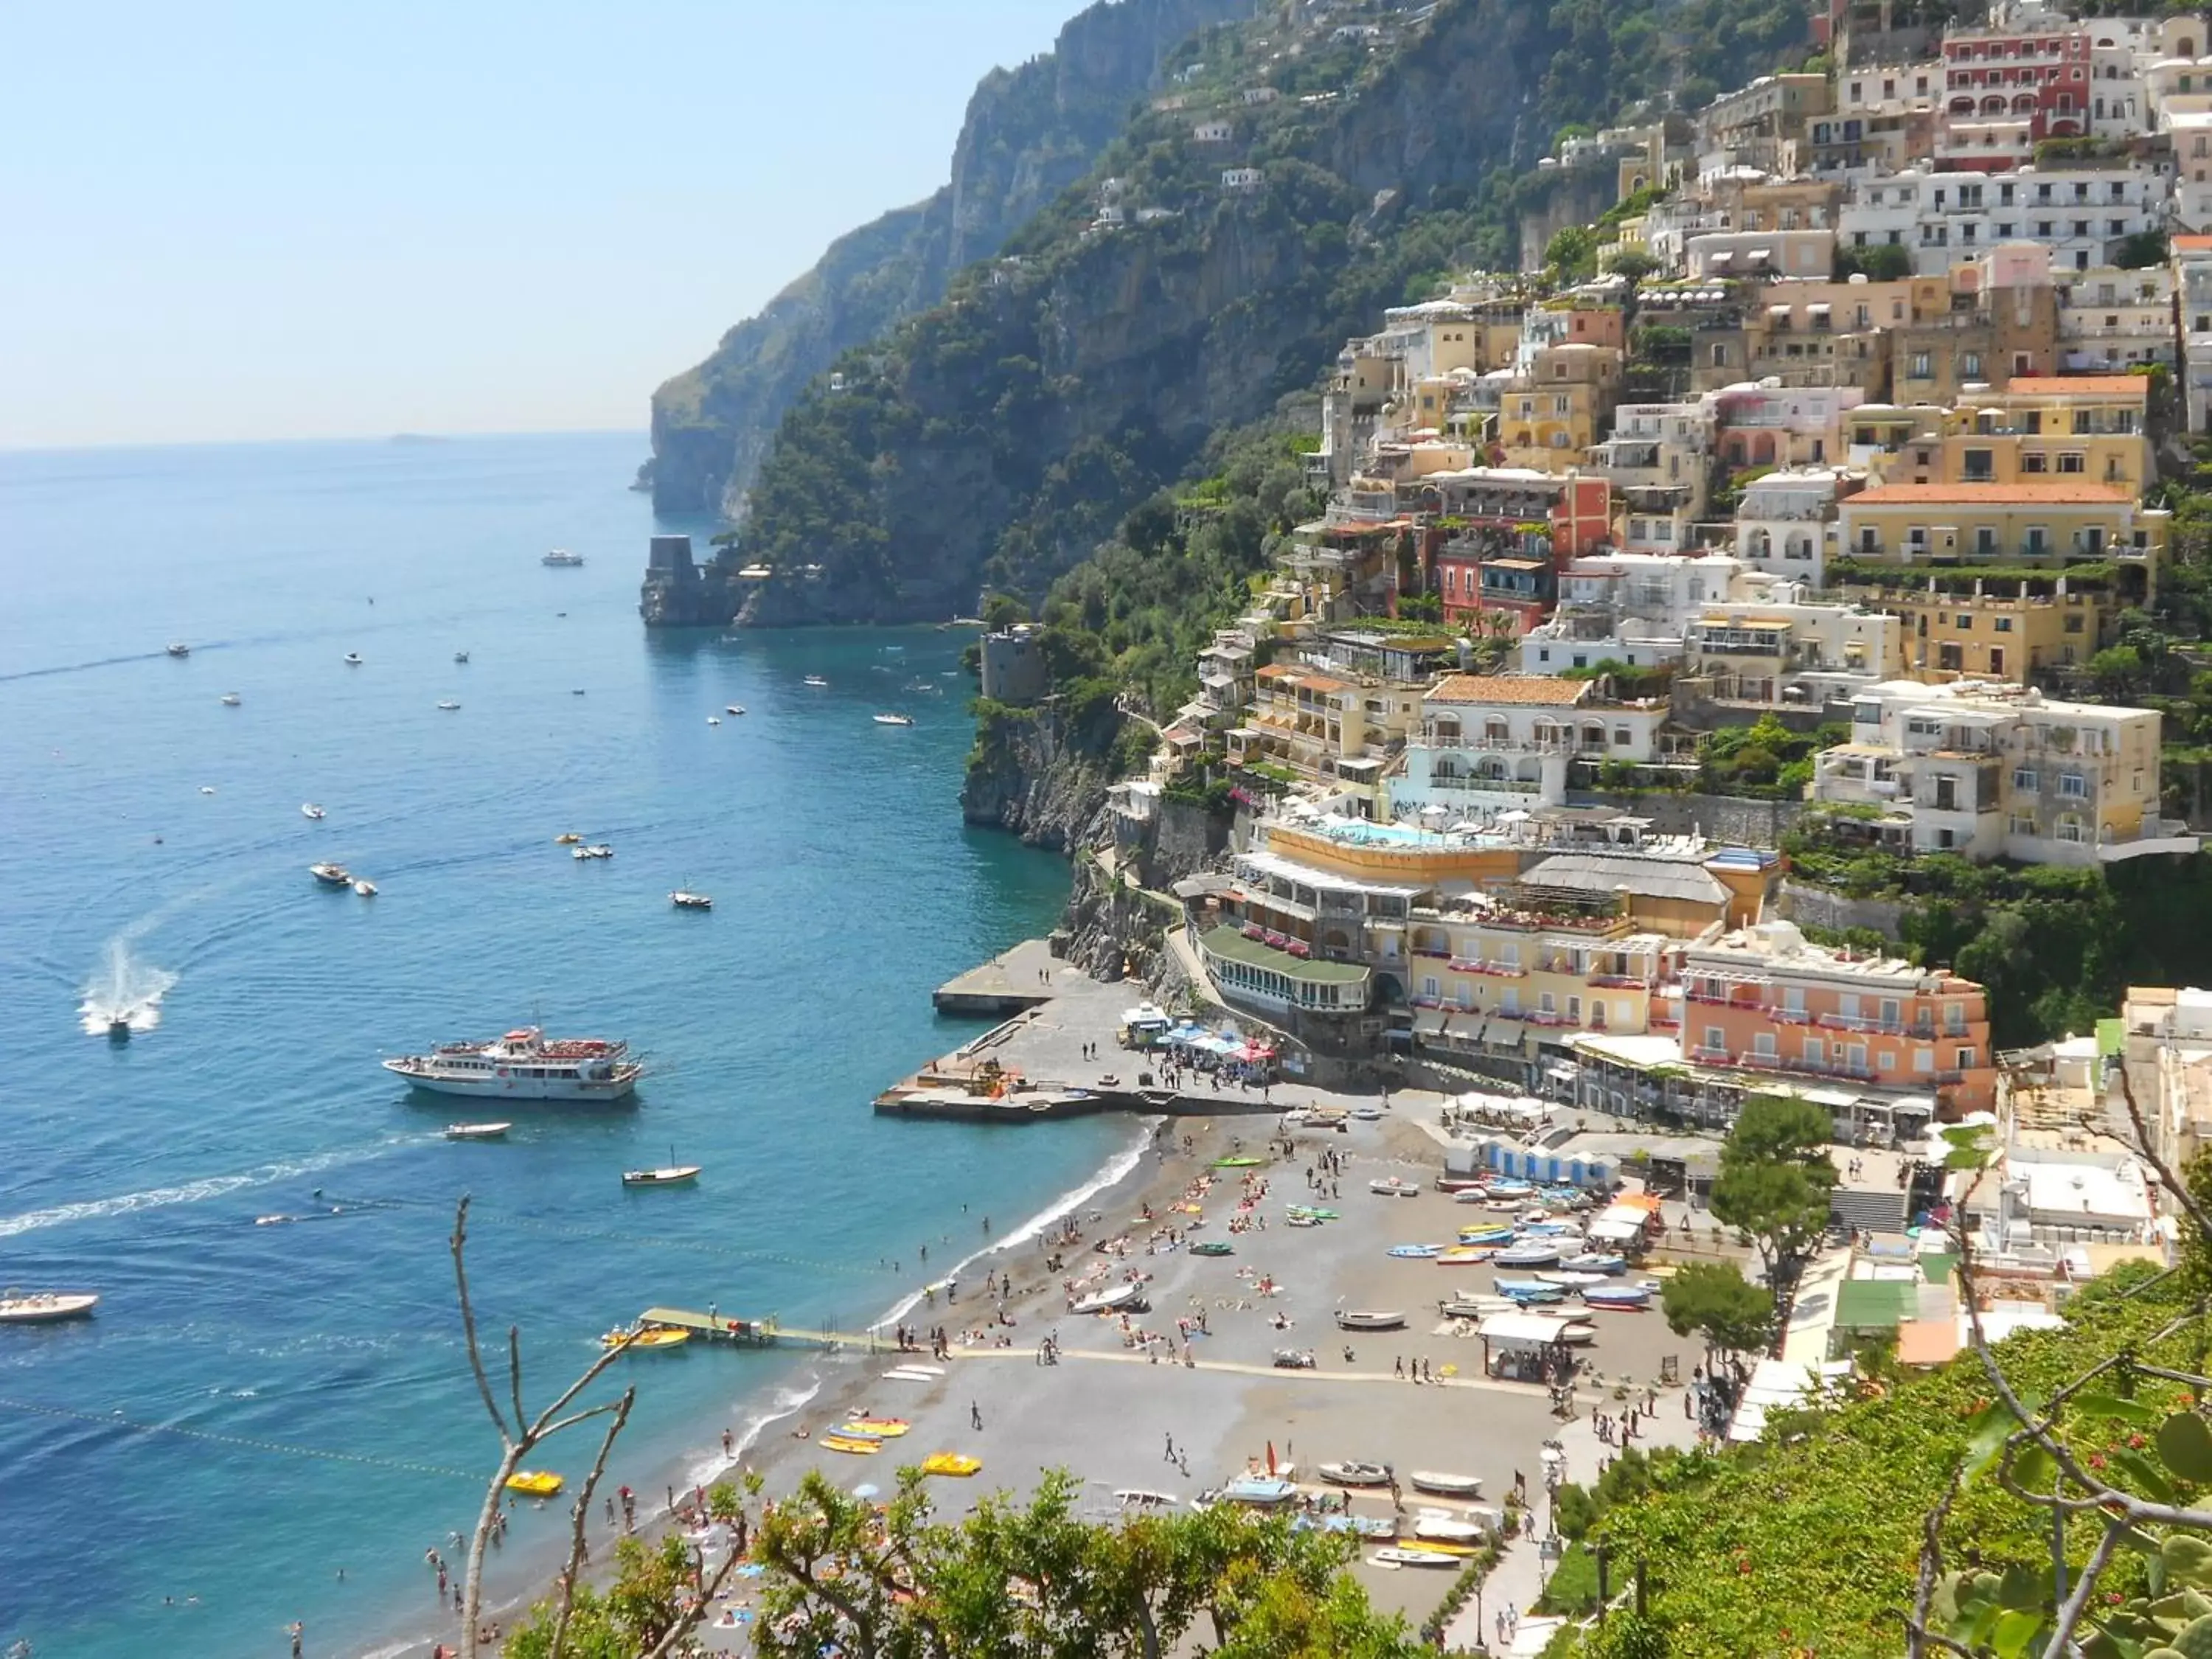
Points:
(975, 1415)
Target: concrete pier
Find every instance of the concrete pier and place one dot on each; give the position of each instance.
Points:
(1006, 984)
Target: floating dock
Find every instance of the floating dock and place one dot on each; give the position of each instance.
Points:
(719, 1327)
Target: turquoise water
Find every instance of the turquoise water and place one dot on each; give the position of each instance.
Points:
(257, 1406)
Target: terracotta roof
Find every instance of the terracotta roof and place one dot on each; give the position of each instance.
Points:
(2087, 385)
(1291, 674)
(2192, 244)
(1989, 494)
(1542, 688)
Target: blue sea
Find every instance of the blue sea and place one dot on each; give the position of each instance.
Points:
(257, 1408)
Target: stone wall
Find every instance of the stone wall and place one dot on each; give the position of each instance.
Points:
(1726, 818)
(1817, 907)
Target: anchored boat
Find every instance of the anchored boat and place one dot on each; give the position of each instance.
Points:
(524, 1064)
(45, 1308)
(478, 1131)
(673, 1174)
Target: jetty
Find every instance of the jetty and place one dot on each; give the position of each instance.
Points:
(1010, 984)
(718, 1326)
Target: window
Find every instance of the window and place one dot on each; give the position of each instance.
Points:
(1575, 1009)
(1762, 1044)
(1980, 464)
(1970, 362)
(1920, 367)
(2072, 786)
(1924, 1060)
(2072, 460)
(1816, 1051)
(2035, 460)
(2038, 541)
(2026, 780)
(1716, 1039)
(1891, 1014)
(1966, 1059)
(1986, 540)
(2001, 624)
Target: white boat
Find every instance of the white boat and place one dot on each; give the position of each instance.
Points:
(735, 708)
(179, 650)
(331, 875)
(229, 700)
(670, 1175)
(714, 719)
(1352, 1472)
(207, 789)
(1144, 1498)
(1597, 1262)
(1394, 1187)
(561, 559)
(816, 681)
(1530, 1253)
(684, 901)
(448, 705)
(311, 811)
(1442, 1528)
(1261, 1491)
(524, 1066)
(353, 659)
(1368, 1114)
(478, 1131)
(366, 888)
(1626, 1298)
(1445, 1486)
(597, 850)
(894, 719)
(1371, 1319)
(1114, 1298)
(1402, 1558)
(45, 1306)
(1573, 1281)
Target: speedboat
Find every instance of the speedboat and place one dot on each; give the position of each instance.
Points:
(207, 789)
(673, 1174)
(1394, 1187)
(365, 887)
(735, 708)
(331, 875)
(894, 719)
(1627, 1298)
(179, 650)
(353, 659)
(478, 1131)
(816, 681)
(45, 1308)
(309, 810)
(1371, 1319)
(1530, 1253)
(460, 656)
(684, 901)
(229, 700)
(1354, 1473)
(648, 1337)
(561, 559)
(448, 705)
(597, 850)
(119, 1028)
(1399, 1557)
(714, 719)
(1416, 1252)
(1596, 1261)
(534, 1483)
(1263, 1490)
(1446, 1486)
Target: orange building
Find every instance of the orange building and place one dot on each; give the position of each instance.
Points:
(1762, 999)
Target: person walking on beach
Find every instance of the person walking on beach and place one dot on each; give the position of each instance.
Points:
(1170, 1450)
(975, 1416)
(298, 1638)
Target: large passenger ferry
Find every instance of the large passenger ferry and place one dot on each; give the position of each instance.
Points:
(524, 1066)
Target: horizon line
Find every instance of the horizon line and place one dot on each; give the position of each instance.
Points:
(403, 436)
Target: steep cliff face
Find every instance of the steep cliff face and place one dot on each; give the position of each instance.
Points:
(1028, 133)
(1031, 777)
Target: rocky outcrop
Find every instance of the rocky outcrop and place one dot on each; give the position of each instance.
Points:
(1110, 929)
(1030, 133)
(1030, 776)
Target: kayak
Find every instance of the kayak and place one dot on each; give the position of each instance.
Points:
(861, 1445)
(534, 1482)
(950, 1463)
(1236, 1163)
(882, 1428)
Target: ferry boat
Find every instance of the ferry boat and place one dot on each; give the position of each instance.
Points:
(563, 558)
(524, 1066)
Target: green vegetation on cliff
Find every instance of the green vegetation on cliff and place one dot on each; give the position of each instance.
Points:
(996, 439)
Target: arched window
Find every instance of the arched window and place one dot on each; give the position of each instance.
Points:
(1494, 730)
(1993, 104)
(1593, 736)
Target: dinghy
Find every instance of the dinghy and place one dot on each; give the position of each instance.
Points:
(1371, 1319)
(1446, 1486)
(1352, 1472)
(1628, 1298)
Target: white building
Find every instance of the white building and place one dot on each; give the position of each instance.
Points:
(1628, 608)
(2081, 212)
(1713, 254)
(1782, 648)
(1213, 132)
(2192, 271)
(1241, 179)
(2111, 319)
(1786, 522)
(1489, 744)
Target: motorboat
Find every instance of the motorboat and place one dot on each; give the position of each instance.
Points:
(1371, 1319)
(1445, 1486)
(366, 888)
(1114, 1298)
(1368, 1114)
(119, 1028)
(575, 691)
(561, 559)
(207, 789)
(331, 875)
(1596, 1261)
(569, 840)
(1261, 1491)
(177, 649)
(1435, 1526)
(353, 659)
(597, 850)
(44, 1307)
(535, 1483)
(893, 720)
(735, 708)
(957, 1464)
(1572, 1281)
(1214, 1247)
(1352, 1472)
(524, 1064)
(460, 656)
(478, 1131)
(1399, 1557)
(1294, 1359)
(1626, 1298)
(669, 1174)
(309, 810)
(1416, 1252)
(448, 705)
(1527, 1290)
(229, 700)
(816, 681)
(714, 719)
(648, 1338)
(685, 901)
(1530, 1253)
(1394, 1187)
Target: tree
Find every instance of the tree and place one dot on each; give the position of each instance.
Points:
(1571, 254)
(1775, 1178)
(1003, 611)
(840, 1577)
(1712, 1299)
(1882, 263)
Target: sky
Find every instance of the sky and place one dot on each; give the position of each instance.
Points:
(241, 220)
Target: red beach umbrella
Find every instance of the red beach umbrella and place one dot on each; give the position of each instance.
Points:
(1271, 1458)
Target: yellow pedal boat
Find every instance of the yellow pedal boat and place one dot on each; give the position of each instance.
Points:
(661, 1337)
(950, 1463)
(535, 1483)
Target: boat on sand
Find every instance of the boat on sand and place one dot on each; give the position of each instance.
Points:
(1445, 1485)
(1371, 1319)
(1352, 1472)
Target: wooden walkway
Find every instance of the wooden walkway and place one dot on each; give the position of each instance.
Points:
(718, 1326)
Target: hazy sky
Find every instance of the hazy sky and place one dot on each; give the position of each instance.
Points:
(244, 219)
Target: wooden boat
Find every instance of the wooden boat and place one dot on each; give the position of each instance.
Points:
(1444, 1484)
(478, 1131)
(858, 1448)
(534, 1483)
(1626, 1298)
(952, 1463)
(883, 1428)
(1352, 1472)
(1416, 1252)
(674, 1175)
(1400, 1556)
(46, 1308)
(1371, 1319)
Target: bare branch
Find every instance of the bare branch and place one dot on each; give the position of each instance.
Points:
(514, 1372)
(1931, 1568)
(2177, 1188)
(685, 1625)
(459, 1242)
(2077, 1604)
(567, 1593)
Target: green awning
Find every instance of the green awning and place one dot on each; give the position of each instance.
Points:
(1876, 1305)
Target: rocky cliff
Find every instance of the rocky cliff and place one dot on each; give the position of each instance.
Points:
(1028, 133)
(1030, 774)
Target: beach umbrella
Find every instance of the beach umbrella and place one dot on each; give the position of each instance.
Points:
(867, 1489)
(1271, 1458)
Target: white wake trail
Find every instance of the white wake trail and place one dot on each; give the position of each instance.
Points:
(125, 989)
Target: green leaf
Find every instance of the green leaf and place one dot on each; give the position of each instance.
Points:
(2150, 1480)
(2112, 1406)
(2034, 1468)
(1988, 1431)
(2186, 1445)
(2014, 1631)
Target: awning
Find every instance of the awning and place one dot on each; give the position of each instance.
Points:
(1778, 311)
(1430, 1022)
(1520, 1330)
(1762, 255)
(1721, 258)
(1615, 1232)
(1818, 308)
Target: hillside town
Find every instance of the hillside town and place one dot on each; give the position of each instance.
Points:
(1842, 420)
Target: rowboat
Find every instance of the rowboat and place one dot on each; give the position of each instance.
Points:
(1352, 1472)
(534, 1483)
(1371, 1319)
(1530, 1253)
(1463, 1255)
(45, 1308)
(1393, 1187)
(1596, 1261)
(1629, 1299)
(883, 1428)
(857, 1446)
(1399, 1557)
(1416, 1252)
(1445, 1485)
(953, 1463)
(478, 1131)
(1572, 1281)
(1500, 1236)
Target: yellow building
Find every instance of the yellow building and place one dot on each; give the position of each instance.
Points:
(2006, 634)
(2087, 429)
(1529, 967)
(1549, 417)
(1325, 727)
(2045, 525)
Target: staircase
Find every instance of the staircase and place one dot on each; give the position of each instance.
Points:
(1875, 1209)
